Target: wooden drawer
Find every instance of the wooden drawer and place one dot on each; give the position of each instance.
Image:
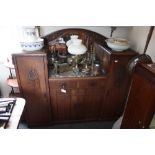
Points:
(78, 92)
(78, 83)
(60, 83)
(91, 83)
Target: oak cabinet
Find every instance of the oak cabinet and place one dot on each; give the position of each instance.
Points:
(56, 99)
(141, 101)
(31, 70)
(69, 99)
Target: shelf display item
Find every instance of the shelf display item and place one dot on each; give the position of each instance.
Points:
(118, 44)
(77, 48)
(31, 40)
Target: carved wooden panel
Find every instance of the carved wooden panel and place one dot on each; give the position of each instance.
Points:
(32, 75)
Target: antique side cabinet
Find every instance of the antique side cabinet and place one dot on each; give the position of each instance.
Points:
(55, 97)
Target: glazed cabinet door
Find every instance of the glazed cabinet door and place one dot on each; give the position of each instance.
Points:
(32, 75)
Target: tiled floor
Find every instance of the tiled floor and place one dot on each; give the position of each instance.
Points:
(86, 125)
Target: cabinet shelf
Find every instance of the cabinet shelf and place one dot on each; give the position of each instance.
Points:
(70, 74)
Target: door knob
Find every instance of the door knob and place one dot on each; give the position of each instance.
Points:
(116, 61)
(63, 89)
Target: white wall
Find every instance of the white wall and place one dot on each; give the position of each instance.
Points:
(151, 47)
(4, 74)
(138, 36)
(9, 44)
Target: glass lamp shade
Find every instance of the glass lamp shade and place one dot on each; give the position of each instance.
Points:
(77, 48)
(72, 38)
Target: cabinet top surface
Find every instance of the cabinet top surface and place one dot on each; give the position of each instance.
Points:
(31, 53)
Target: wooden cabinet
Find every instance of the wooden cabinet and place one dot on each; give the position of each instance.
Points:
(141, 101)
(53, 98)
(77, 98)
(31, 70)
(118, 79)
(69, 99)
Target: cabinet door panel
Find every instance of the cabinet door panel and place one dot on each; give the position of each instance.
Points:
(31, 73)
(94, 99)
(117, 87)
(61, 105)
(140, 105)
(113, 107)
(60, 94)
(78, 106)
(87, 105)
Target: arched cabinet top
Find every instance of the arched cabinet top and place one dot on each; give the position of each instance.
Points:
(87, 36)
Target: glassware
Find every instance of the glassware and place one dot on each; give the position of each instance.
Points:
(69, 60)
(96, 69)
(76, 68)
(77, 49)
(56, 67)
